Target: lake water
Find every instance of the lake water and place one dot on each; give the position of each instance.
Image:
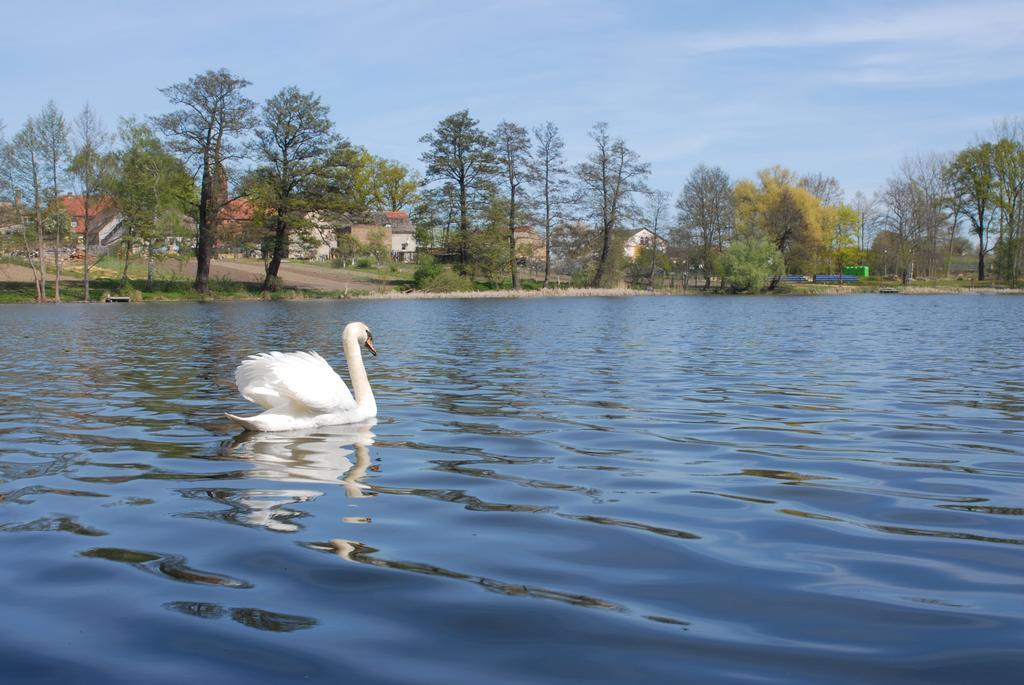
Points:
(638, 490)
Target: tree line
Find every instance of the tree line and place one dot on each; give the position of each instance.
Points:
(178, 174)
(744, 234)
(478, 187)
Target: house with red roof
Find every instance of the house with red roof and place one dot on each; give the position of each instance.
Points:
(106, 224)
(104, 219)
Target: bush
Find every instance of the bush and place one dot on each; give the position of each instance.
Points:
(364, 263)
(448, 282)
(426, 269)
(581, 279)
(433, 278)
(750, 264)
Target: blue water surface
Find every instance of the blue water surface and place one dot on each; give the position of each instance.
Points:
(585, 490)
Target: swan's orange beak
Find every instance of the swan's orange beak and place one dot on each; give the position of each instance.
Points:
(370, 347)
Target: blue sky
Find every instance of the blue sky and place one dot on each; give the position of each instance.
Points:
(843, 88)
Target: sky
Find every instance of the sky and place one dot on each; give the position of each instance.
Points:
(844, 88)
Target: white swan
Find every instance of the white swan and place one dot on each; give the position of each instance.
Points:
(301, 390)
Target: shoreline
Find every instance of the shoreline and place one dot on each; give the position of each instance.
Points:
(311, 295)
(240, 280)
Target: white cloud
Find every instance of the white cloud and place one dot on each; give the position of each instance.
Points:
(988, 26)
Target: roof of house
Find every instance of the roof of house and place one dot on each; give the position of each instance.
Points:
(99, 210)
(398, 221)
(75, 205)
(645, 232)
(239, 209)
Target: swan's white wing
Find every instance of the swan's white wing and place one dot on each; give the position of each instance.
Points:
(272, 379)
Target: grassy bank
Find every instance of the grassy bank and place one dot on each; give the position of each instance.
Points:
(242, 280)
(165, 290)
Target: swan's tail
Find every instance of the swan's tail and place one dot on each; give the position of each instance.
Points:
(246, 423)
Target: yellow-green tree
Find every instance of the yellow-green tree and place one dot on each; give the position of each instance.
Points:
(841, 225)
(778, 209)
(395, 187)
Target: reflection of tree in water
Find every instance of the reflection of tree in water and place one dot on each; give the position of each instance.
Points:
(173, 566)
(364, 554)
(260, 619)
(351, 550)
(327, 455)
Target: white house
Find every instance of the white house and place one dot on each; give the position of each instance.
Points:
(403, 235)
(320, 240)
(643, 239)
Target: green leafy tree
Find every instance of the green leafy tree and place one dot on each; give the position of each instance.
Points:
(779, 209)
(395, 187)
(460, 153)
(842, 225)
(295, 139)
(213, 113)
(1008, 180)
(377, 246)
(973, 183)
(151, 189)
(751, 264)
(347, 250)
(512, 150)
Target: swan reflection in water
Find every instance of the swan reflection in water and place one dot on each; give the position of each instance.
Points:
(332, 455)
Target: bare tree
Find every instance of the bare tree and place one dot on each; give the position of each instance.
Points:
(19, 167)
(52, 136)
(213, 112)
(706, 215)
(25, 163)
(656, 214)
(867, 217)
(512, 150)
(926, 175)
(900, 199)
(88, 169)
(607, 181)
(825, 188)
(548, 172)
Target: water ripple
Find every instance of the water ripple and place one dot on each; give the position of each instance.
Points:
(786, 490)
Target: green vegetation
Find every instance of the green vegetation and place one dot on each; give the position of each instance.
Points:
(435, 278)
(751, 264)
(274, 182)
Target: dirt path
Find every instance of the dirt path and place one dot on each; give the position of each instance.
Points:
(292, 275)
(14, 273)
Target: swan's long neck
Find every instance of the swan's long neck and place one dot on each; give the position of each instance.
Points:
(357, 373)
